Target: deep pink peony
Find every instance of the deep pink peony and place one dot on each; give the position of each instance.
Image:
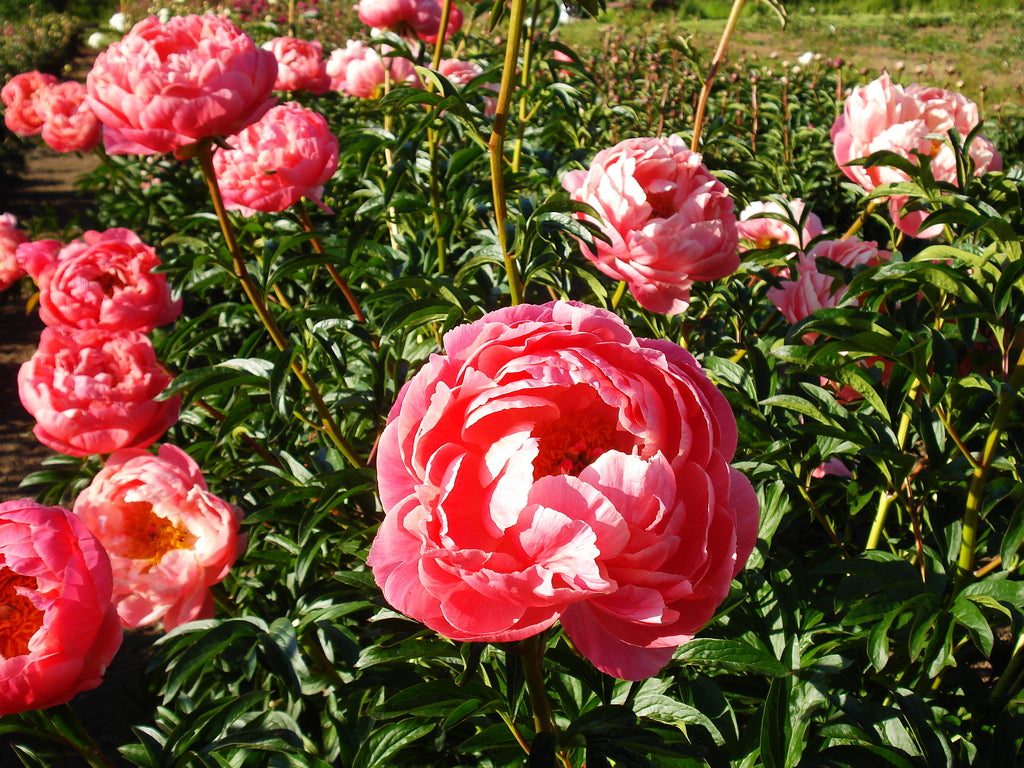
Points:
(58, 630)
(169, 538)
(69, 125)
(300, 65)
(288, 154)
(756, 230)
(550, 466)
(670, 221)
(166, 86)
(883, 115)
(106, 280)
(21, 97)
(34, 256)
(92, 391)
(359, 70)
(11, 238)
(419, 18)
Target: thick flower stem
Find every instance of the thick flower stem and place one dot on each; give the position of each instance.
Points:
(496, 144)
(878, 524)
(532, 650)
(442, 33)
(204, 154)
(716, 62)
(976, 492)
(524, 107)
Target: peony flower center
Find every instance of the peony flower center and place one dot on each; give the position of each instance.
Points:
(662, 199)
(19, 619)
(571, 443)
(147, 536)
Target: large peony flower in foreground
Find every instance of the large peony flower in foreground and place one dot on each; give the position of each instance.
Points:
(166, 86)
(288, 154)
(670, 222)
(552, 467)
(58, 629)
(169, 538)
(913, 121)
(93, 391)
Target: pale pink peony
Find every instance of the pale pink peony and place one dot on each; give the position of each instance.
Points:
(166, 86)
(106, 280)
(10, 239)
(810, 291)
(288, 154)
(670, 222)
(550, 466)
(359, 70)
(461, 72)
(756, 230)
(850, 252)
(58, 629)
(21, 97)
(69, 125)
(93, 391)
(169, 538)
(300, 65)
(833, 466)
(883, 115)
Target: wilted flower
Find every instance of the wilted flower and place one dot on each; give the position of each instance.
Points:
(552, 467)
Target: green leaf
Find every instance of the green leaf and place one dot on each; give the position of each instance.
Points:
(733, 656)
(387, 741)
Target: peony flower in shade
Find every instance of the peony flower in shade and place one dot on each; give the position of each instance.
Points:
(552, 467)
(808, 292)
(288, 154)
(21, 97)
(10, 239)
(166, 86)
(59, 629)
(358, 70)
(169, 538)
(106, 280)
(670, 222)
(909, 121)
(300, 65)
(850, 252)
(756, 230)
(93, 391)
(69, 124)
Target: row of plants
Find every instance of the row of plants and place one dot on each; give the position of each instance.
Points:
(635, 408)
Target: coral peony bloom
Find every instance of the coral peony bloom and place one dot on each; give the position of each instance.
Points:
(288, 154)
(34, 256)
(300, 65)
(850, 252)
(93, 391)
(420, 18)
(670, 222)
(11, 238)
(913, 121)
(166, 86)
(69, 125)
(22, 96)
(358, 70)
(462, 72)
(551, 466)
(810, 291)
(59, 629)
(106, 280)
(169, 538)
(756, 230)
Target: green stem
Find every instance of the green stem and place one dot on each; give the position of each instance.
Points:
(64, 723)
(976, 492)
(524, 110)
(204, 153)
(307, 225)
(532, 649)
(1009, 681)
(716, 62)
(875, 535)
(496, 144)
(620, 291)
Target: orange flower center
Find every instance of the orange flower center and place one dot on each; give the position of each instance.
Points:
(571, 443)
(147, 536)
(19, 619)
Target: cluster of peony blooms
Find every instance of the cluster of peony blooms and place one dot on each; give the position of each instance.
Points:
(913, 122)
(38, 104)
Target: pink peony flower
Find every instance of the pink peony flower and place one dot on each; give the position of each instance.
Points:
(21, 97)
(550, 466)
(833, 466)
(69, 125)
(670, 221)
(419, 18)
(169, 538)
(759, 231)
(59, 629)
(385, 14)
(36, 255)
(106, 280)
(850, 252)
(10, 238)
(300, 65)
(427, 21)
(884, 116)
(358, 70)
(166, 86)
(810, 291)
(461, 72)
(92, 391)
(288, 154)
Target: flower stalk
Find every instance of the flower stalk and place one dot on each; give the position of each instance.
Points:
(716, 63)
